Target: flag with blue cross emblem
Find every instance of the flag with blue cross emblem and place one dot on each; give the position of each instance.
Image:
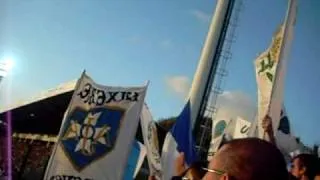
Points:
(97, 132)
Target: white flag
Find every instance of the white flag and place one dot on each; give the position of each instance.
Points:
(241, 129)
(97, 132)
(270, 70)
(150, 138)
(218, 130)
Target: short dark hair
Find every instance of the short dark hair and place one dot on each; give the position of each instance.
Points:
(252, 158)
(310, 162)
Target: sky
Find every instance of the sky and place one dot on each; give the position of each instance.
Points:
(123, 42)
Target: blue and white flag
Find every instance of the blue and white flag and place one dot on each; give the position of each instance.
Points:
(136, 158)
(97, 132)
(178, 139)
(150, 138)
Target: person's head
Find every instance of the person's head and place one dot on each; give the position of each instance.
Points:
(304, 166)
(247, 159)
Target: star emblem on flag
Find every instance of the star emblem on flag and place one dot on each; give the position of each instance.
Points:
(88, 134)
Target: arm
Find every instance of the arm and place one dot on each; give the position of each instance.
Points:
(268, 129)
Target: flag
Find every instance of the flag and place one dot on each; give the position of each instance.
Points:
(270, 70)
(241, 129)
(266, 65)
(219, 128)
(150, 138)
(178, 139)
(136, 158)
(284, 124)
(285, 140)
(97, 132)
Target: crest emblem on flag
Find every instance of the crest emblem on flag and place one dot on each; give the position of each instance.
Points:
(90, 135)
(219, 128)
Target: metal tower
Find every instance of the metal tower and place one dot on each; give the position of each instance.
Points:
(208, 109)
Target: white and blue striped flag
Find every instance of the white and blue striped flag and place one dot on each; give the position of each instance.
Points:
(178, 139)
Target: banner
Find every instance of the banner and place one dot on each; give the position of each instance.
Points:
(150, 138)
(241, 129)
(266, 65)
(270, 70)
(97, 132)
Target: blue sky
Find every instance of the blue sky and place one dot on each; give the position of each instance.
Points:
(127, 42)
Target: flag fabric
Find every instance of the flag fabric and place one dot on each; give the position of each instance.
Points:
(136, 158)
(178, 139)
(270, 70)
(266, 65)
(150, 138)
(285, 140)
(241, 129)
(97, 132)
(284, 124)
(219, 128)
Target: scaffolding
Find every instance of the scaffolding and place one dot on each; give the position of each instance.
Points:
(217, 73)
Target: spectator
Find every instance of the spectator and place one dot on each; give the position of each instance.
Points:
(247, 159)
(304, 167)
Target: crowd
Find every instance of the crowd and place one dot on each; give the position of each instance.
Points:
(250, 159)
(238, 159)
(29, 159)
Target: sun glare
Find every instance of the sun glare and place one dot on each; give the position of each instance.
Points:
(8, 64)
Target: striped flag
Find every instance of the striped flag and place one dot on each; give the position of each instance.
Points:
(178, 139)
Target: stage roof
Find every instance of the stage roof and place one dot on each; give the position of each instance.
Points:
(42, 114)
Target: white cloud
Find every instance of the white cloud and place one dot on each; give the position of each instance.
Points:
(201, 16)
(235, 103)
(179, 85)
(230, 104)
(167, 43)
